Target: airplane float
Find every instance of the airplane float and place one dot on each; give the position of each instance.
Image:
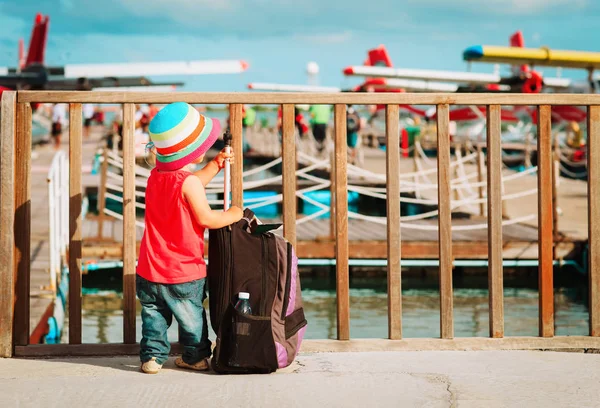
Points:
(32, 73)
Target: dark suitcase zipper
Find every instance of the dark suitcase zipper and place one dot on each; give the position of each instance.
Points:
(264, 263)
(288, 281)
(224, 288)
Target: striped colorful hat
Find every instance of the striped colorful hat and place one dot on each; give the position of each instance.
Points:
(181, 135)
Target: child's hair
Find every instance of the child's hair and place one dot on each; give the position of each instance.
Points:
(179, 134)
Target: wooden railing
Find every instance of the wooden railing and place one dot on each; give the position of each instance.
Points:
(15, 220)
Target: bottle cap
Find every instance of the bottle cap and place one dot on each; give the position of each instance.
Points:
(244, 295)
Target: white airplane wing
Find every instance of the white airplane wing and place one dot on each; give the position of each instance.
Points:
(417, 85)
(422, 74)
(262, 86)
(557, 83)
(154, 69)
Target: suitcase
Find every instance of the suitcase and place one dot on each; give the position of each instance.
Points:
(249, 257)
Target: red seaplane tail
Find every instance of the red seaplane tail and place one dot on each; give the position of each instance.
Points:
(378, 57)
(37, 43)
(516, 40)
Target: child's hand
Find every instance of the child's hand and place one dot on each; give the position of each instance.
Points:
(236, 213)
(221, 157)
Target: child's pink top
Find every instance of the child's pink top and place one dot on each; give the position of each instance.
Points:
(172, 249)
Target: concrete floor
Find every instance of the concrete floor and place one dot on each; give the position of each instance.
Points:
(365, 379)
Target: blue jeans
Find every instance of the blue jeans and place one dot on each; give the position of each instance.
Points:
(160, 302)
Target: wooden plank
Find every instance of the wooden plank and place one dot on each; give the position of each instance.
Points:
(555, 180)
(377, 250)
(445, 223)
(289, 174)
(102, 192)
(7, 218)
(275, 98)
(237, 169)
(593, 167)
(559, 343)
(341, 224)
(545, 169)
(129, 239)
(75, 201)
(394, 278)
(22, 232)
(494, 204)
(85, 350)
(332, 197)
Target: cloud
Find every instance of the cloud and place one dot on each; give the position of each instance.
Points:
(314, 21)
(505, 7)
(333, 38)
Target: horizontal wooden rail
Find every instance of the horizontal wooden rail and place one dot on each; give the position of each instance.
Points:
(308, 98)
(558, 343)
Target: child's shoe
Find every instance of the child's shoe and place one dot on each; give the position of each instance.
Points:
(201, 365)
(151, 366)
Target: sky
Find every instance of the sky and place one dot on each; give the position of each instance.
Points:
(279, 37)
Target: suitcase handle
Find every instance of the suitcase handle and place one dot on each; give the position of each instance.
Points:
(227, 171)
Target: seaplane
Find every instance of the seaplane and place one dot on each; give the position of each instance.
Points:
(31, 72)
(377, 57)
(523, 77)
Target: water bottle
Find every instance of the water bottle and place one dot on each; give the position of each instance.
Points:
(240, 328)
(243, 303)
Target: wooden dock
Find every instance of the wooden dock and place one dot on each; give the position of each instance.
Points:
(366, 240)
(314, 238)
(41, 293)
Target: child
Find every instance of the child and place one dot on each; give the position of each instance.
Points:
(171, 270)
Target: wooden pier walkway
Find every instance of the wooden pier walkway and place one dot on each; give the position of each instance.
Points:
(314, 240)
(41, 293)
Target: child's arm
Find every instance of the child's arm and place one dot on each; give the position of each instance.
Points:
(193, 192)
(208, 172)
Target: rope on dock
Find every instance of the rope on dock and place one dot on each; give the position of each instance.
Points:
(460, 183)
(569, 173)
(120, 217)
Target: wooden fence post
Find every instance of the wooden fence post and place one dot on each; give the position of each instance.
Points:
(341, 224)
(480, 165)
(445, 222)
(75, 201)
(494, 204)
(593, 142)
(289, 174)
(394, 277)
(332, 197)
(22, 224)
(237, 144)
(546, 265)
(7, 219)
(129, 232)
(102, 193)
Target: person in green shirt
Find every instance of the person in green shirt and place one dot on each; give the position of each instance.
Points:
(320, 115)
(352, 128)
(249, 117)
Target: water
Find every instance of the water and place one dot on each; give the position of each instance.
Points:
(102, 316)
